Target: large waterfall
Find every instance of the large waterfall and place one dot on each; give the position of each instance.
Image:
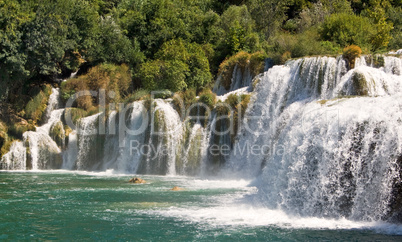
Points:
(317, 138)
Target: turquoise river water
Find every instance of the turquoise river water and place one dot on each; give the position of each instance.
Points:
(68, 205)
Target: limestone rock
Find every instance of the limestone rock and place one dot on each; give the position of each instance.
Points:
(137, 180)
(176, 188)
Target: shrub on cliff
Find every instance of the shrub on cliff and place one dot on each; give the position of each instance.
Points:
(242, 60)
(208, 98)
(36, 106)
(115, 80)
(350, 53)
(347, 29)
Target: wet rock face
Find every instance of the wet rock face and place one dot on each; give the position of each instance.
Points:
(395, 214)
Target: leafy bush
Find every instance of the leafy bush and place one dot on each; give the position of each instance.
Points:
(74, 114)
(222, 109)
(208, 98)
(6, 147)
(255, 62)
(139, 94)
(163, 94)
(347, 29)
(159, 74)
(178, 65)
(308, 43)
(233, 100)
(238, 30)
(115, 80)
(57, 133)
(350, 53)
(183, 100)
(17, 129)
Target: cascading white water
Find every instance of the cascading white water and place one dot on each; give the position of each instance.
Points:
(38, 150)
(166, 133)
(88, 142)
(43, 150)
(393, 65)
(16, 158)
(320, 157)
(240, 78)
(193, 155)
(70, 156)
(129, 153)
(297, 81)
(53, 103)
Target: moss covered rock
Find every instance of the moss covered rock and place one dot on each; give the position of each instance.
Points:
(36, 107)
(254, 62)
(3, 134)
(57, 133)
(360, 84)
(17, 129)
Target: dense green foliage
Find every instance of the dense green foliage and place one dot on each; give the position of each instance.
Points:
(177, 44)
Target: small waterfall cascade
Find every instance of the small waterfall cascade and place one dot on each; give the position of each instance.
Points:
(163, 140)
(70, 155)
(324, 141)
(127, 156)
(53, 103)
(150, 143)
(241, 78)
(39, 150)
(194, 151)
(16, 158)
(299, 81)
(174, 131)
(90, 143)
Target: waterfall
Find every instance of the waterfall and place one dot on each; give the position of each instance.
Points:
(16, 158)
(53, 103)
(126, 159)
(90, 143)
(151, 144)
(327, 142)
(70, 156)
(38, 150)
(163, 141)
(393, 65)
(193, 153)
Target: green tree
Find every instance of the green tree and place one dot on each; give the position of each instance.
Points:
(12, 57)
(395, 16)
(238, 26)
(179, 65)
(377, 12)
(157, 75)
(347, 29)
(269, 15)
(111, 45)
